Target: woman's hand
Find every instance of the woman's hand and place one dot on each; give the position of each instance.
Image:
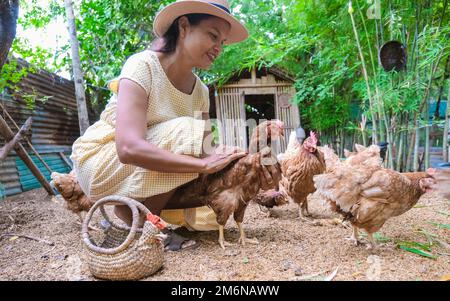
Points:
(222, 156)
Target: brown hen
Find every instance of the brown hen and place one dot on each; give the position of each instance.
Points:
(298, 169)
(230, 190)
(367, 194)
(67, 185)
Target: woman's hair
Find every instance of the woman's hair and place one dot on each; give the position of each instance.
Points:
(168, 42)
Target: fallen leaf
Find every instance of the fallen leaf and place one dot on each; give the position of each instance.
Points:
(356, 274)
(332, 275)
(13, 238)
(443, 213)
(311, 276)
(245, 260)
(445, 277)
(419, 252)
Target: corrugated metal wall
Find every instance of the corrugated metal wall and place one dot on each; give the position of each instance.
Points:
(54, 129)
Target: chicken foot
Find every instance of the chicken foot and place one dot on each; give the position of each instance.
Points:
(265, 211)
(243, 239)
(305, 216)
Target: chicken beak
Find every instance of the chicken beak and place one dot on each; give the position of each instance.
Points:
(161, 237)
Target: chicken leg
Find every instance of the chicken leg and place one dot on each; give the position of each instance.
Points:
(355, 236)
(304, 212)
(222, 241)
(372, 245)
(243, 239)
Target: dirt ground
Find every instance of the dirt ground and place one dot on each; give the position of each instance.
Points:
(289, 249)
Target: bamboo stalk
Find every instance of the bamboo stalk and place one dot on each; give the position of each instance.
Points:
(416, 147)
(366, 77)
(409, 154)
(427, 134)
(445, 140)
(399, 163)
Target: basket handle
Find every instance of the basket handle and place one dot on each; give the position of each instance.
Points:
(113, 199)
(124, 227)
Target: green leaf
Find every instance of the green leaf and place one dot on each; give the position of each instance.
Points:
(445, 226)
(444, 213)
(419, 252)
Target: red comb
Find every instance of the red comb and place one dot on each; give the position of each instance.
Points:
(157, 221)
(313, 137)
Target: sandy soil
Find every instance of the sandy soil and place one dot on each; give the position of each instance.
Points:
(289, 249)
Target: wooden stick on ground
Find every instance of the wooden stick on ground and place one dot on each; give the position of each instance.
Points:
(20, 134)
(30, 237)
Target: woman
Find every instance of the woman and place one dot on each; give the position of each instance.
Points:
(148, 141)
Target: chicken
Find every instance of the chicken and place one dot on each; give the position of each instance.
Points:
(330, 157)
(442, 181)
(230, 190)
(367, 194)
(270, 198)
(298, 167)
(291, 148)
(67, 185)
(366, 156)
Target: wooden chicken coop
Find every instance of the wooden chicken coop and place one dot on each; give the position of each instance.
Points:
(251, 97)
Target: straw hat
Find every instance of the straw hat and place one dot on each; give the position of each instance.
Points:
(218, 8)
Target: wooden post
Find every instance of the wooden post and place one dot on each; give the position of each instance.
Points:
(6, 132)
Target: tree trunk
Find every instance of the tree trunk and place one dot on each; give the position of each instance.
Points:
(9, 12)
(76, 67)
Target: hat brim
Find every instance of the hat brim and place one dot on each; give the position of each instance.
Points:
(166, 16)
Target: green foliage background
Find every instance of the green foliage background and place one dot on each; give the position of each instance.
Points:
(311, 39)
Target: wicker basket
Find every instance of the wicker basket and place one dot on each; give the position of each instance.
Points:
(125, 253)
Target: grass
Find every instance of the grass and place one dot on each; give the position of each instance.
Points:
(422, 249)
(447, 214)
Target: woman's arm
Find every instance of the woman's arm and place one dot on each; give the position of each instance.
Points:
(132, 148)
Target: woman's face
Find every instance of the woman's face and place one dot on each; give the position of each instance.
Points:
(202, 43)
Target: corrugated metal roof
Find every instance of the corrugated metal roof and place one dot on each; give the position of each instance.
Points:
(54, 128)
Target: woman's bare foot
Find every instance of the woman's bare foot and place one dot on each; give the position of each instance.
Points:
(123, 213)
